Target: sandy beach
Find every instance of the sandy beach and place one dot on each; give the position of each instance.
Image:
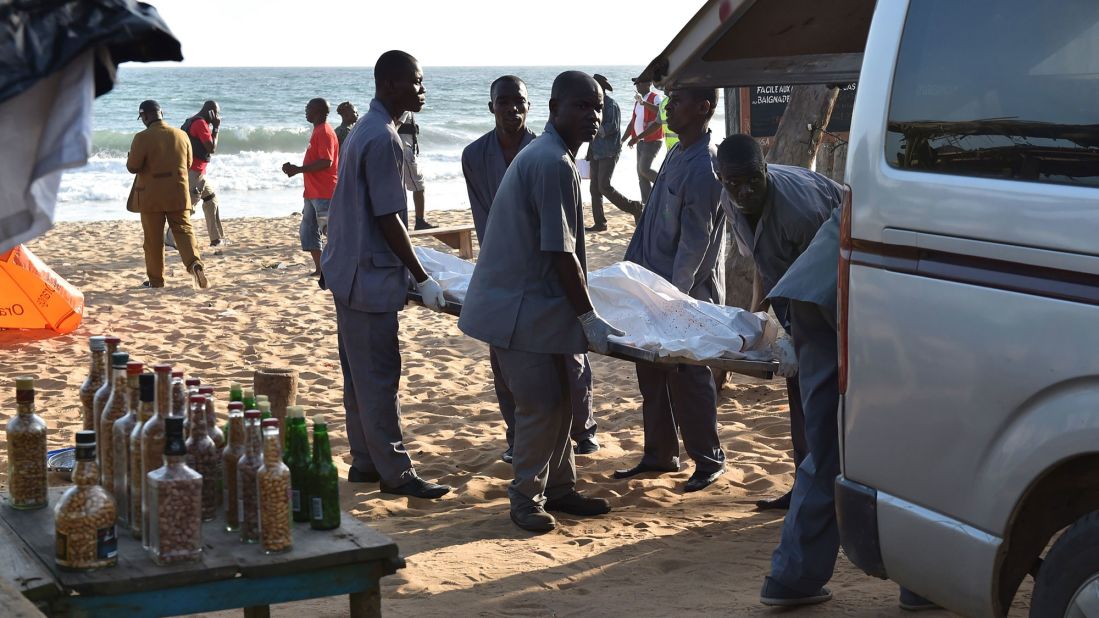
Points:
(659, 553)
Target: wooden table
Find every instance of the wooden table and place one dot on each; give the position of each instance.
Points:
(348, 560)
(458, 237)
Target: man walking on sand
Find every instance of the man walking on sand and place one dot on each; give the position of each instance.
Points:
(603, 157)
(319, 170)
(681, 237)
(528, 299)
(366, 265)
(160, 156)
(484, 163)
(202, 129)
(413, 178)
(647, 133)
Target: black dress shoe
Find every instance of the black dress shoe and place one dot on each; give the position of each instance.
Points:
(422, 224)
(701, 480)
(781, 503)
(507, 455)
(596, 228)
(912, 602)
(354, 475)
(777, 595)
(418, 488)
(576, 503)
(642, 469)
(533, 518)
(586, 446)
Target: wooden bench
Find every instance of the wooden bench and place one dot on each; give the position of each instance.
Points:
(348, 560)
(458, 237)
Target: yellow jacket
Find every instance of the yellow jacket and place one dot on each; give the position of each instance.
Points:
(160, 156)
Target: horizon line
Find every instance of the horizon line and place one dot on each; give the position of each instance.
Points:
(179, 65)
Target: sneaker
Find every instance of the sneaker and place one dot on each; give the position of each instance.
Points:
(145, 285)
(576, 503)
(422, 224)
(507, 456)
(533, 518)
(777, 595)
(586, 446)
(199, 276)
(912, 602)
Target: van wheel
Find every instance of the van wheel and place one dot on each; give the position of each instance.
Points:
(1068, 582)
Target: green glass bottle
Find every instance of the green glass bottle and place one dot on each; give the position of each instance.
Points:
(264, 408)
(296, 457)
(249, 399)
(324, 485)
(236, 393)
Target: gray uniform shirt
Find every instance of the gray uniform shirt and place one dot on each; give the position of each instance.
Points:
(813, 276)
(798, 203)
(681, 236)
(515, 299)
(358, 266)
(483, 166)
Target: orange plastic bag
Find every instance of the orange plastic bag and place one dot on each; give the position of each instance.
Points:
(33, 296)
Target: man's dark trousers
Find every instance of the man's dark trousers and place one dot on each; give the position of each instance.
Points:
(679, 397)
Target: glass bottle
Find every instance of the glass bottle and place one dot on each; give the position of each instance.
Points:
(120, 444)
(192, 386)
(296, 457)
(175, 502)
(97, 375)
(212, 428)
(104, 392)
(236, 393)
(26, 437)
(232, 453)
(145, 410)
(247, 466)
(324, 482)
(203, 457)
(249, 399)
(264, 408)
(152, 439)
(85, 515)
(179, 395)
(114, 409)
(274, 493)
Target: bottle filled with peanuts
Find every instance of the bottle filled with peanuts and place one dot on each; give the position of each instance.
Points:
(175, 502)
(26, 436)
(103, 393)
(247, 487)
(212, 429)
(145, 410)
(97, 375)
(203, 457)
(274, 493)
(84, 518)
(152, 439)
(232, 453)
(120, 444)
(114, 409)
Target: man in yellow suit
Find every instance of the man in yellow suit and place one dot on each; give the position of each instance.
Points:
(160, 156)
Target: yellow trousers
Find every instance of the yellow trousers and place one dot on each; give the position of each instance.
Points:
(179, 222)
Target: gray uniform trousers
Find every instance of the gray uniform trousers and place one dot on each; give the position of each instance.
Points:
(683, 397)
(370, 357)
(543, 460)
(646, 175)
(806, 554)
(601, 172)
(580, 396)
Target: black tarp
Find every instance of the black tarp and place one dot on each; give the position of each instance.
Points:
(38, 37)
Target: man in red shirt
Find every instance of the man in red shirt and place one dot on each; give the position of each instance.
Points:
(319, 170)
(202, 131)
(647, 133)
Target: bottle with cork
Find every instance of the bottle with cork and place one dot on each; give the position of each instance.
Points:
(296, 457)
(276, 535)
(324, 482)
(232, 453)
(97, 376)
(152, 438)
(103, 393)
(120, 444)
(175, 502)
(145, 411)
(203, 457)
(26, 437)
(113, 410)
(247, 467)
(84, 518)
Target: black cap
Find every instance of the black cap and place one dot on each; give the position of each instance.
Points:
(85, 445)
(149, 105)
(119, 359)
(603, 82)
(146, 382)
(173, 436)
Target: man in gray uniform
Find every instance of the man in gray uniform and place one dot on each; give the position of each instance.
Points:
(603, 155)
(528, 299)
(681, 237)
(483, 165)
(366, 265)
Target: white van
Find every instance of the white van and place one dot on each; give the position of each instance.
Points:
(969, 279)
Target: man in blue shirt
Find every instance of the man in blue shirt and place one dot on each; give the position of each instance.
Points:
(366, 265)
(603, 157)
(681, 237)
(484, 163)
(528, 299)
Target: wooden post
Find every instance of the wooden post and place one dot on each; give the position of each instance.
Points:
(794, 143)
(366, 604)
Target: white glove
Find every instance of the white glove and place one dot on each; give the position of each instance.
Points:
(597, 330)
(782, 350)
(431, 294)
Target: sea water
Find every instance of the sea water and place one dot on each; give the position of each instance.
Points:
(263, 126)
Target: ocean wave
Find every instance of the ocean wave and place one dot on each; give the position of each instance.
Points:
(231, 141)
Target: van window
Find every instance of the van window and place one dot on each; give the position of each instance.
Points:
(998, 88)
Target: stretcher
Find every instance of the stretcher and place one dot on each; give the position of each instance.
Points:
(755, 368)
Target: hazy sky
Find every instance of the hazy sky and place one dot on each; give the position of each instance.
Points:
(438, 32)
